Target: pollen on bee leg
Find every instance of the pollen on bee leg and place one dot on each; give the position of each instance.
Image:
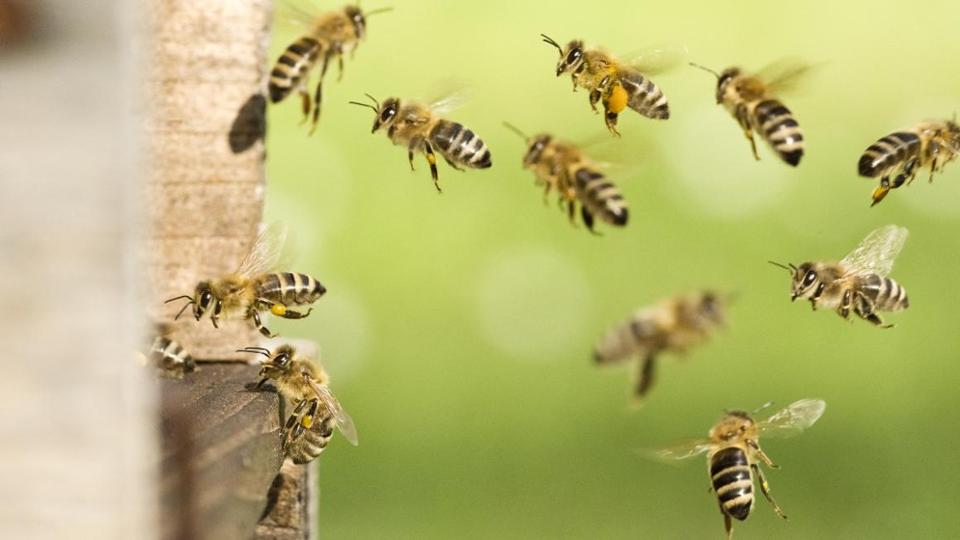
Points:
(306, 421)
(431, 159)
(278, 309)
(617, 100)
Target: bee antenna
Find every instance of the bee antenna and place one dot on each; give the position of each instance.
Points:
(789, 267)
(255, 350)
(375, 109)
(178, 298)
(548, 39)
(515, 129)
(184, 308)
(708, 70)
(378, 10)
(373, 99)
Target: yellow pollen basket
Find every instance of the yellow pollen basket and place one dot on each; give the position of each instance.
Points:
(278, 309)
(306, 421)
(617, 101)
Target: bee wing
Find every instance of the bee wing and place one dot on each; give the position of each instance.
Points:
(877, 252)
(792, 419)
(684, 449)
(343, 420)
(659, 58)
(784, 75)
(449, 102)
(267, 251)
(289, 14)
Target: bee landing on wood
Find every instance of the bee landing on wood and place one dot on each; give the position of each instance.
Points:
(615, 84)
(250, 290)
(859, 281)
(565, 168)
(751, 99)
(900, 155)
(316, 412)
(673, 325)
(734, 455)
(330, 35)
(421, 129)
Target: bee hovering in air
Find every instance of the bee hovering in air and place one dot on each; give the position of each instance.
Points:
(421, 129)
(251, 289)
(734, 455)
(931, 144)
(615, 84)
(330, 35)
(565, 168)
(751, 99)
(673, 325)
(859, 281)
(316, 412)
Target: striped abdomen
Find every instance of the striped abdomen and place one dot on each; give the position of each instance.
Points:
(732, 481)
(626, 341)
(304, 443)
(600, 197)
(885, 293)
(888, 153)
(776, 124)
(643, 96)
(289, 288)
(460, 145)
(169, 355)
(292, 66)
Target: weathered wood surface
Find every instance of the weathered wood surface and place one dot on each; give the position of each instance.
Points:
(221, 452)
(206, 183)
(291, 505)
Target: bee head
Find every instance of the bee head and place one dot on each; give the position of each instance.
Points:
(571, 56)
(357, 20)
(203, 299)
(278, 362)
(535, 150)
(724, 80)
(386, 113)
(734, 425)
(806, 280)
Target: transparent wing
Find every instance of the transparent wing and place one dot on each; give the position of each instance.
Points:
(449, 102)
(784, 75)
(266, 252)
(877, 252)
(681, 450)
(792, 419)
(294, 17)
(659, 58)
(343, 421)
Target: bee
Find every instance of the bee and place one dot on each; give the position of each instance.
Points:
(751, 99)
(421, 129)
(250, 290)
(330, 35)
(932, 144)
(316, 412)
(859, 281)
(611, 82)
(673, 325)
(565, 168)
(734, 454)
(169, 358)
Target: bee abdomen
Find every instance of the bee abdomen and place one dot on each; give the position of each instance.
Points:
(169, 355)
(780, 129)
(312, 443)
(732, 482)
(645, 97)
(891, 296)
(624, 341)
(290, 288)
(292, 65)
(888, 152)
(600, 196)
(460, 145)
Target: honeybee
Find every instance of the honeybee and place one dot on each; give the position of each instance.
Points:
(330, 35)
(421, 129)
(932, 144)
(751, 99)
(169, 358)
(565, 168)
(734, 455)
(859, 281)
(673, 325)
(249, 290)
(611, 82)
(316, 412)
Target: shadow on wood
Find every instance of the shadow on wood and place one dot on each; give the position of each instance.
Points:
(250, 124)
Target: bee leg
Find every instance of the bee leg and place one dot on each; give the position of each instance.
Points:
(743, 117)
(305, 104)
(255, 315)
(759, 453)
(291, 314)
(765, 488)
(318, 94)
(594, 99)
(864, 310)
(645, 376)
(339, 63)
(881, 191)
(610, 118)
(588, 220)
(432, 160)
(727, 524)
(414, 143)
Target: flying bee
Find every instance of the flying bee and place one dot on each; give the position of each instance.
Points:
(859, 281)
(734, 455)
(751, 99)
(421, 129)
(615, 84)
(169, 358)
(250, 289)
(330, 35)
(673, 325)
(901, 154)
(565, 168)
(316, 412)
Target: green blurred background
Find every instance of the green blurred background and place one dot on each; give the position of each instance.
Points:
(458, 327)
